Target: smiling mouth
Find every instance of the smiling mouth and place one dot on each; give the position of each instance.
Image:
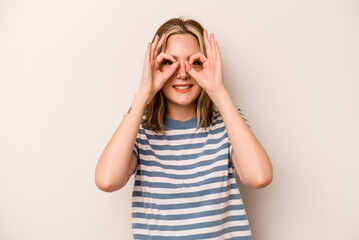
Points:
(183, 87)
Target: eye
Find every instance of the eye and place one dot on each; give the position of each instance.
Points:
(197, 62)
(167, 62)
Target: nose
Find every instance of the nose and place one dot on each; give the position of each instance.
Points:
(181, 71)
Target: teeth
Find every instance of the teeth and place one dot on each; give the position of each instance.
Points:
(182, 87)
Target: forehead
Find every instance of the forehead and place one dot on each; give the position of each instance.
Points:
(182, 45)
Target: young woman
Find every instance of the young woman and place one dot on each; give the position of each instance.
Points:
(187, 140)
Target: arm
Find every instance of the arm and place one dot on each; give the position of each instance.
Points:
(249, 157)
(117, 163)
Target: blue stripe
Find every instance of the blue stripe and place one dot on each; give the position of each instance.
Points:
(189, 226)
(135, 153)
(210, 141)
(186, 205)
(184, 157)
(240, 238)
(219, 179)
(180, 136)
(152, 163)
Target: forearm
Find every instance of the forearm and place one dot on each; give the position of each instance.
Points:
(112, 167)
(252, 161)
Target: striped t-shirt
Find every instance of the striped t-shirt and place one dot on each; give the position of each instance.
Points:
(185, 186)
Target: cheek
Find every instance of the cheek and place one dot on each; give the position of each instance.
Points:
(164, 68)
(199, 91)
(167, 84)
(166, 88)
(197, 68)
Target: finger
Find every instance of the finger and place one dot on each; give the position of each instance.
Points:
(147, 62)
(212, 40)
(147, 54)
(206, 41)
(196, 56)
(154, 44)
(167, 74)
(190, 70)
(213, 50)
(162, 56)
(163, 37)
(218, 52)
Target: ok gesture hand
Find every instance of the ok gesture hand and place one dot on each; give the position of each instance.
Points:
(210, 78)
(153, 78)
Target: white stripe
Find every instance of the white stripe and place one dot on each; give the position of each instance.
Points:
(196, 209)
(186, 189)
(180, 152)
(186, 200)
(234, 234)
(194, 170)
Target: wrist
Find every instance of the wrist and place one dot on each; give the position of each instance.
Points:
(218, 95)
(140, 100)
(145, 94)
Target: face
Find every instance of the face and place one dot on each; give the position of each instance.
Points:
(181, 47)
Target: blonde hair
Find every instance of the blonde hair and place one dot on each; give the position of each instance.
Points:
(156, 108)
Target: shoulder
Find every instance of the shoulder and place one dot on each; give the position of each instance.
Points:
(217, 115)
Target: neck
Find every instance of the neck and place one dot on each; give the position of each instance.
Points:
(181, 113)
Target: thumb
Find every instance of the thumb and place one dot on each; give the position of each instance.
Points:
(167, 74)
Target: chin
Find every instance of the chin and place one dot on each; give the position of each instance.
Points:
(184, 102)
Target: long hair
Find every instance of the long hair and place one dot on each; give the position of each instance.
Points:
(155, 110)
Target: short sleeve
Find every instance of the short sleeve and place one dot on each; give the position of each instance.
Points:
(136, 149)
(229, 142)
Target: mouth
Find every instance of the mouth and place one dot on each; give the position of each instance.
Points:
(182, 86)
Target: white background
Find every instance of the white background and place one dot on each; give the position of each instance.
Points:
(69, 71)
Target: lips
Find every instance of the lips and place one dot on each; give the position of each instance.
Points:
(187, 84)
(182, 88)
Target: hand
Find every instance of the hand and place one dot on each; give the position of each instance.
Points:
(152, 78)
(210, 77)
